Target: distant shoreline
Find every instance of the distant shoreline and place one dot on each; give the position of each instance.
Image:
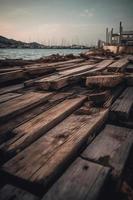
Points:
(50, 48)
(6, 43)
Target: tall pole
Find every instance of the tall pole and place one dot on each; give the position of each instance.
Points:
(111, 35)
(120, 32)
(107, 36)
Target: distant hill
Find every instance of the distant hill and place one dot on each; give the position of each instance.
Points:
(10, 43)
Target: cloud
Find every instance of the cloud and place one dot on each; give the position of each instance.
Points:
(88, 13)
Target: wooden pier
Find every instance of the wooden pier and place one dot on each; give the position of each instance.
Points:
(66, 129)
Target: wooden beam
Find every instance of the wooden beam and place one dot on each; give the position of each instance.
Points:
(32, 71)
(13, 88)
(61, 63)
(72, 66)
(9, 69)
(76, 70)
(46, 158)
(55, 64)
(21, 104)
(82, 180)
(122, 106)
(13, 75)
(28, 132)
(104, 80)
(64, 78)
(8, 96)
(59, 83)
(9, 192)
(104, 64)
(60, 80)
(111, 148)
(8, 126)
(114, 94)
(99, 98)
(118, 66)
(100, 67)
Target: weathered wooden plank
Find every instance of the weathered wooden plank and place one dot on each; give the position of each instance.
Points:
(76, 70)
(13, 88)
(114, 94)
(7, 148)
(82, 180)
(39, 70)
(28, 132)
(72, 65)
(61, 79)
(104, 64)
(9, 192)
(118, 66)
(111, 148)
(8, 126)
(45, 83)
(44, 160)
(99, 98)
(104, 80)
(8, 96)
(57, 82)
(8, 76)
(100, 67)
(8, 69)
(21, 104)
(61, 63)
(55, 64)
(122, 106)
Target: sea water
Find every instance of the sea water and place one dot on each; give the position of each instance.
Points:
(32, 54)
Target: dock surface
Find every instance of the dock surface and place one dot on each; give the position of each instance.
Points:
(66, 129)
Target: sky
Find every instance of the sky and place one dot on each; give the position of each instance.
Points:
(63, 21)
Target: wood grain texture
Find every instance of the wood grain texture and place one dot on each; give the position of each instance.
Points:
(122, 106)
(21, 104)
(44, 160)
(13, 88)
(104, 64)
(9, 192)
(12, 75)
(28, 132)
(72, 66)
(100, 67)
(82, 180)
(63, 78)
(38, 70)
(114, 94)
(108, 81)
(111, 148)
(60, 79)
(8, 96)
(118, 66)
(9, 125)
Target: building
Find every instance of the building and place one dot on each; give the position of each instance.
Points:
(123, 37)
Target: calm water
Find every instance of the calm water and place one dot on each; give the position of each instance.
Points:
(35, 53)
